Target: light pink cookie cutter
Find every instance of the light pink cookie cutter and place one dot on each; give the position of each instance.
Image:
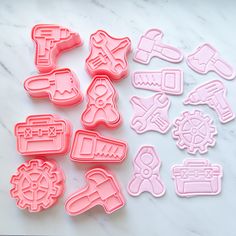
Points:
(89, 146)
(146, 176)
(150, 45)
(108, 55)
(50, 41)
(194, 132)
(206, 58)
(213, 94)
(101, 108)
(168, 80)
(150, 113)
(43, 134)
(37, 185)
(197, 177)
(60, 85)
(102, 189)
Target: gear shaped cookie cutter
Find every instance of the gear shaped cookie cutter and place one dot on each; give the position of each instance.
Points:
(194, 132)
(37, 185)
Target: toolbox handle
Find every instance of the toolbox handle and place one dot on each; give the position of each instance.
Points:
(201, 163)
(40, 119)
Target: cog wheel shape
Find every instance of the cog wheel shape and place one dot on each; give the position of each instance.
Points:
(194, 132)
(37, 185)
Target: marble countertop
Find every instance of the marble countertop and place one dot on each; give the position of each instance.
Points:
(186, 25)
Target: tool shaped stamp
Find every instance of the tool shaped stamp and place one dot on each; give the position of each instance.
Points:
(150, 45)
(60, 85)
(50, 41)
(108, 55)
(197, 177)
(169, 81)
(101, 189)
(146, 175)
(206, 58)
(101, 108)
(194, 131)
(150, 113)
(213, 94)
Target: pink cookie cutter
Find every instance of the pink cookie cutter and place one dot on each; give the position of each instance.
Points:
(43, 134)
(150, 113)
(150, 45)
(101, 108)
(197, 177)
(205, 58)
(194, 132)
(37, 185)
(169, 81)
(89, 146)
(50, 41)
(102, 189)
(146, 176)
(61, 86)
(108, 55)
(213, 94)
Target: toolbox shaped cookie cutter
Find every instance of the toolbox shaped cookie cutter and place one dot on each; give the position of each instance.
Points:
(89, 146)
(194, 132)
(50, 41)
(196, 177)
(213, 94)
(108, 55)
(43, 134)
(169, 81)
(150, 45)
(37, 185)
(101, 189)
(60, 85)
(150, 113)
(146, 176)
(206, 58)
(101, 107)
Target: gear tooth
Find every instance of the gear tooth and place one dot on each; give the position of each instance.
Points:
(21, 204)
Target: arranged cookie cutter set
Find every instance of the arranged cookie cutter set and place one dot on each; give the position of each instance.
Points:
(39, 182)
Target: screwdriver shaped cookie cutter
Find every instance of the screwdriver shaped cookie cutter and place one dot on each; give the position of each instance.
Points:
(213, 94)
(101, 189)
(37, 185)
(89, 146)
(101, 108)
(206, 58)
(60, 85)
(197, 177)
(194, 131)
(146, 176)
(108, 55)
(50, 41)
(150, 113)
(169, 81)
(150, 45)
(43, 134)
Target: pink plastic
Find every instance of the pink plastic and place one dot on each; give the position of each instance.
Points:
(61, 86)
(102, 189)
(197, 177)
(205, 58)
(37, 185)
(150, 45)
(50, 41)
(194, 132)
(101, 108)
(146, 176)
(89, 146)
(43, 134)
(213, 94)
(108, 55)
(167, 80)
(150, 113)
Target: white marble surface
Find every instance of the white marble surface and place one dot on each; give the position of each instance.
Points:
(186, 24)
